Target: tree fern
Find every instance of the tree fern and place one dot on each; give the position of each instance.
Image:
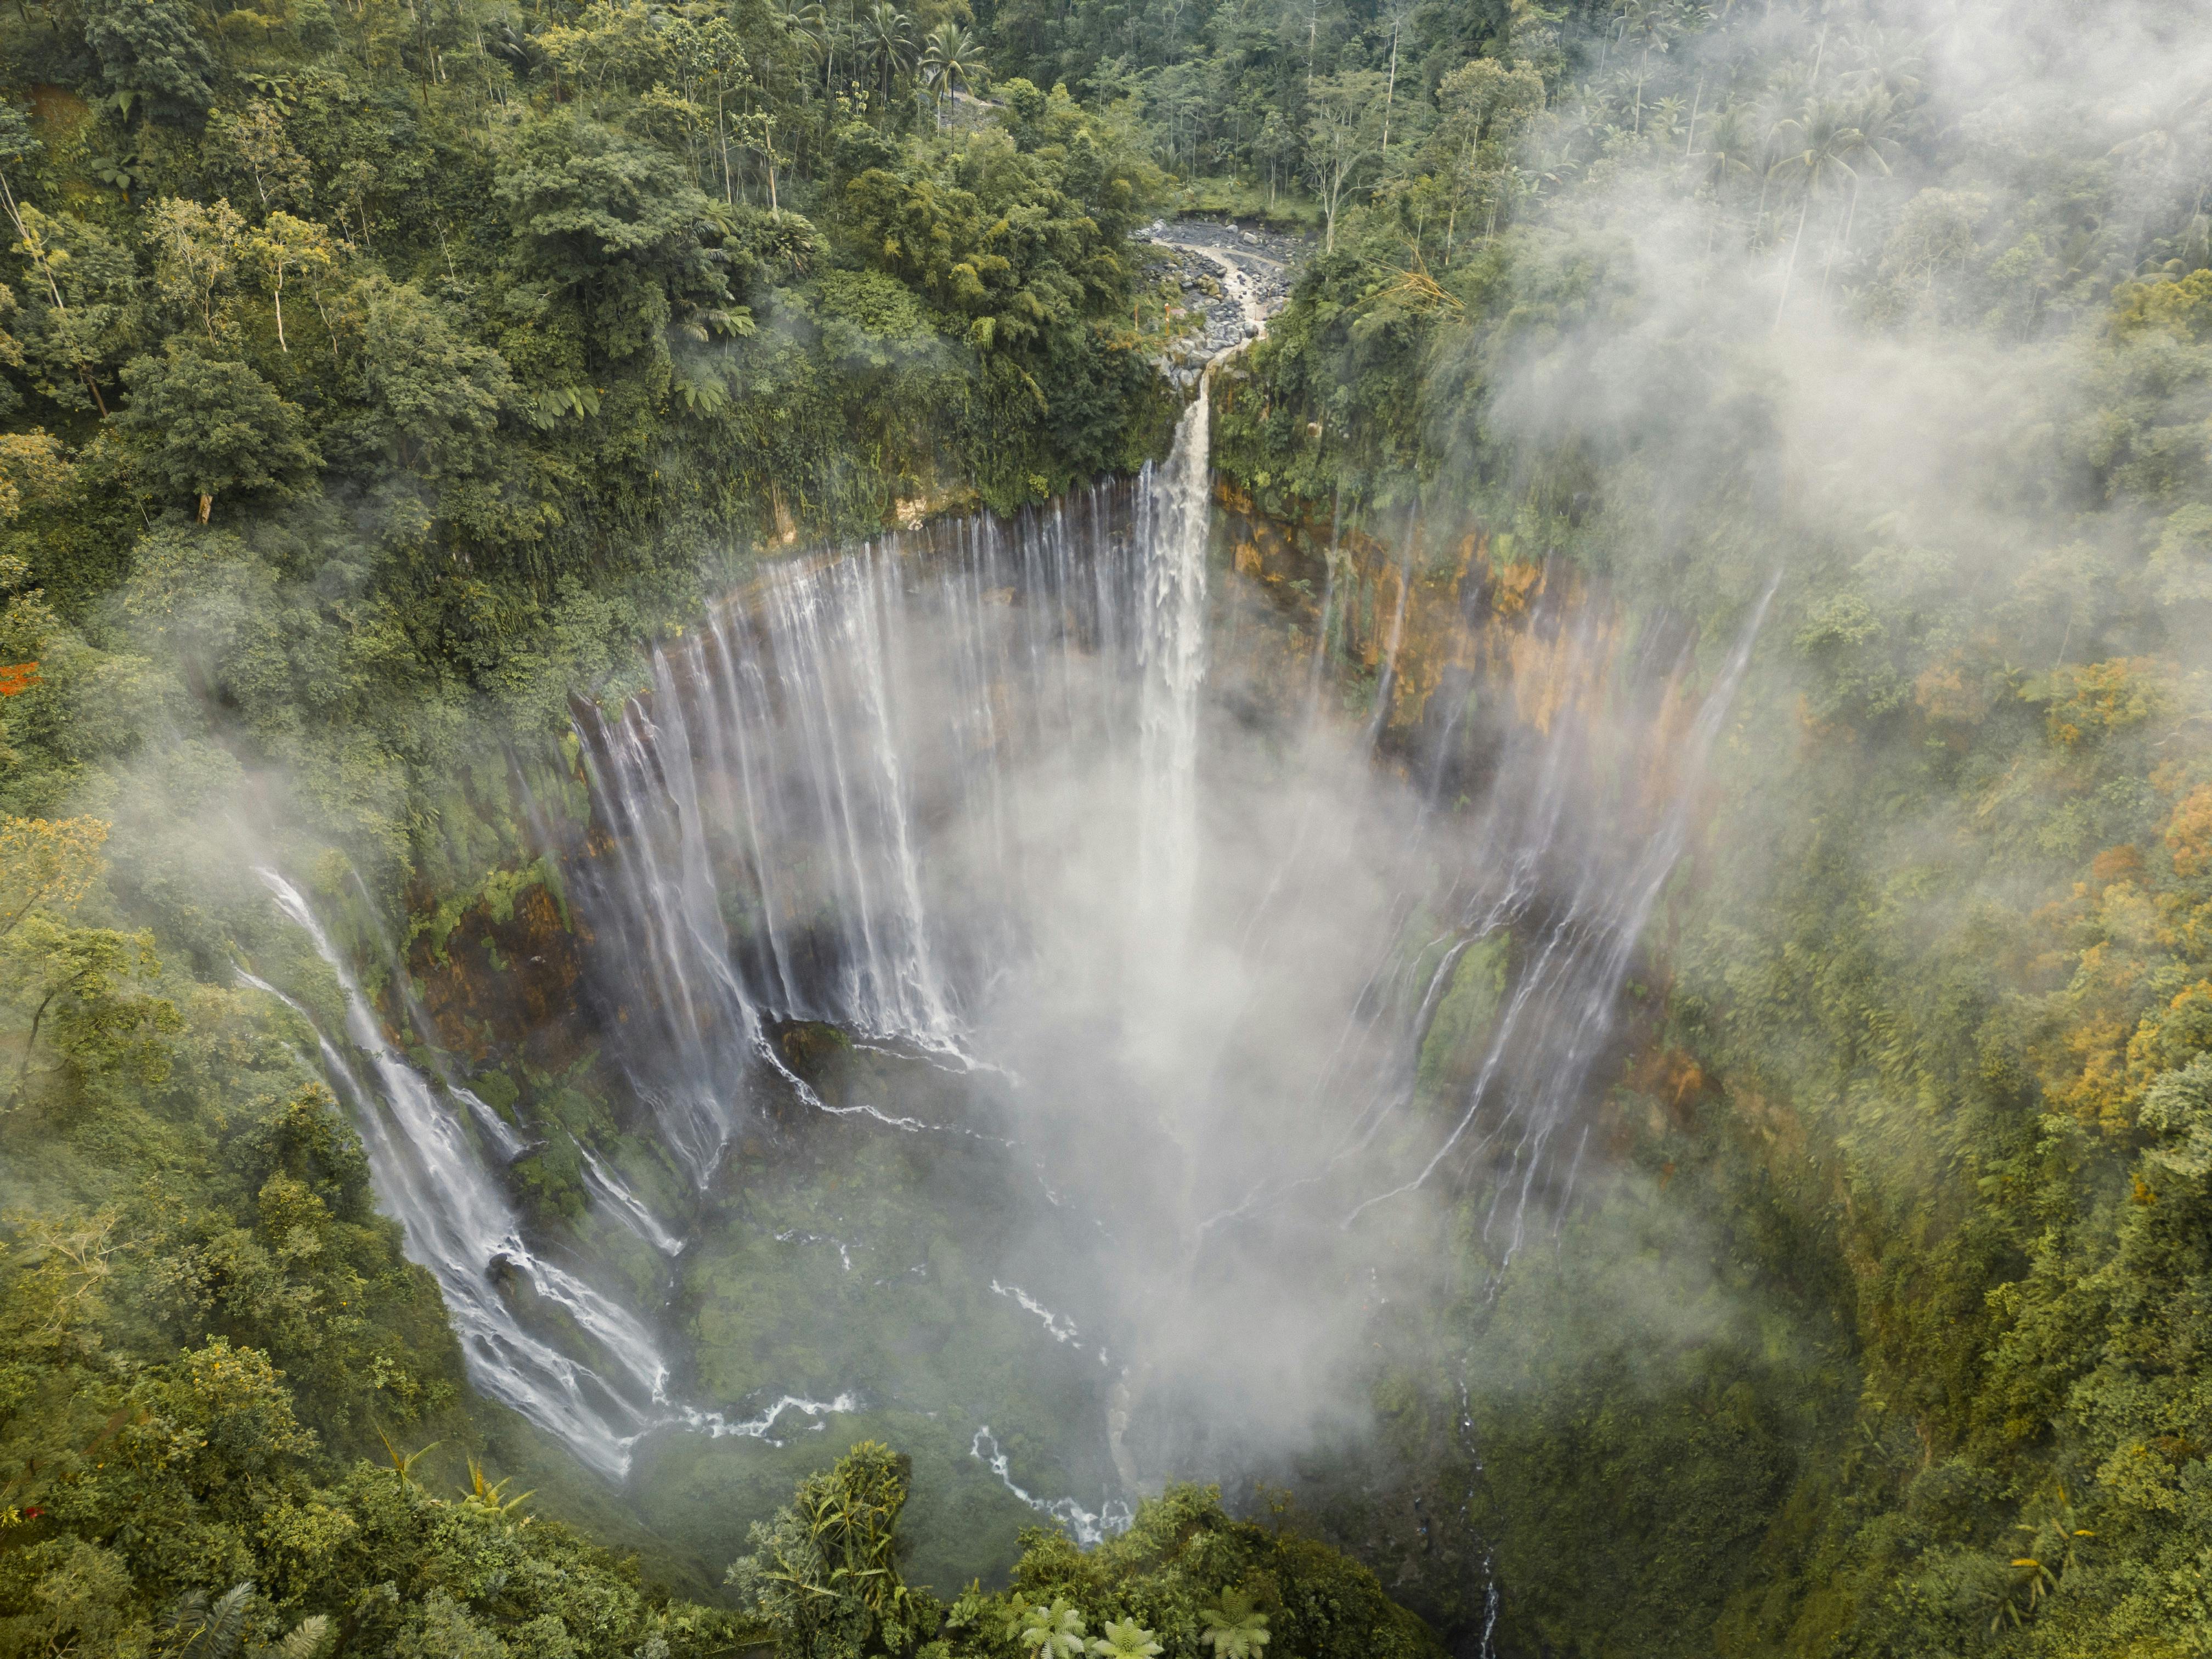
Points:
(1235, 1630)
(1054, 1632)
(217, 1631)
(311, 1638)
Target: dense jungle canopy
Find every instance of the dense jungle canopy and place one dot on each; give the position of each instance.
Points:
(377, 375)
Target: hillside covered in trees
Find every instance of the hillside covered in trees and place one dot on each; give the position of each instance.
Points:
(376, 375)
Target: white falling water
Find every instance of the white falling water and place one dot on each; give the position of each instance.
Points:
(1580, 904)
(457, 1223)
(1175, 509)
(826, 810)
(906, 788)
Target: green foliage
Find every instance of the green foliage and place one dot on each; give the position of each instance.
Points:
(473, 364)
(500, 335)
(206, 1631)
(148, 49)
(1939, 962)
(1237, 1629)
(824, 1572)
(202, 427)
(1186, 1581)
(1053, 1630)
(1124, 1638)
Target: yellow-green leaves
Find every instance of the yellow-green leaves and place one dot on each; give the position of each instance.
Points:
(47, 863)
(1124, 1638)
(197, 250)
(1054, 1631)
(1235, 1628)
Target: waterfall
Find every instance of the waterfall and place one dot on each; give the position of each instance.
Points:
(827, 807)
(871, 785)
(455, 1221)
(431, 1176)
(1581, 901)
(1175, 509)
(1086, 1526)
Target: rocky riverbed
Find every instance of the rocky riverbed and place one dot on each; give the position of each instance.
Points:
(1232, 278)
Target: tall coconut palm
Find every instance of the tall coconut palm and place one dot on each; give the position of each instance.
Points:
(1876, 117)
(951, 63)
(1731, 147)
(1822, 140)
(887, 44)
(808, 27)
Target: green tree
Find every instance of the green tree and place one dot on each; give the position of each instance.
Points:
(823, 1573)
(281, 247)
(723, 72)
(433, 395)
(951, 62)
(1054, 1630)
(254, 142)
(197, 249)
(202, 426)
(46, 864)
(1486, 107)
(80, 308)
(145, 50)
(1124, 1638)
(1343, 126)
(616, 222)
(79, 985)
(1823, 141)
(887, 46)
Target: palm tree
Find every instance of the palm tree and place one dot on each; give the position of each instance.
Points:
(809, 26)
(1876, 118)
(1825, 140)
(1731, 147)
(1236, 1629)
(951, 63)
(1655, 23)
(887, 42)
(1889, 60)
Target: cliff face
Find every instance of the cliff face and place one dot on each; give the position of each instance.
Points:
(1449, 649)
(1450, 657)
(502, 983)
(492, 948)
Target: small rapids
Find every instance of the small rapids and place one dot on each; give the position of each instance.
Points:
(1085, 1527)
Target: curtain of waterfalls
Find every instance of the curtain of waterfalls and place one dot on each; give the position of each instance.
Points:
(819, 811)
(1027, 798)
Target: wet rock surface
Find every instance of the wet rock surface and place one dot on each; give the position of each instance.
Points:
(1232, 279)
